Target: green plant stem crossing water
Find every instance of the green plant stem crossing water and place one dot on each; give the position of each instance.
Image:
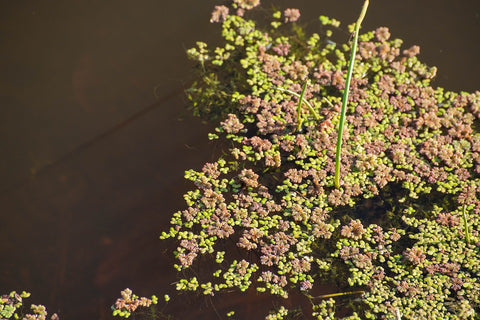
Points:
(465, 225)
(299, 109)
(345, 93)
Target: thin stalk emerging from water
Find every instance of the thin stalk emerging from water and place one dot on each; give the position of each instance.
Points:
(301, 100)
(339, 294)
(345, 92)
(299, 109)
(465, 225)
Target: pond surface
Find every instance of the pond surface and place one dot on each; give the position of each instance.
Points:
(94, 136)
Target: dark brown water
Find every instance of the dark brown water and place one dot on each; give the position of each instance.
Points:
(94, 139)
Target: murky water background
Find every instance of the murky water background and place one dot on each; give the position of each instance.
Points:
(94, 138)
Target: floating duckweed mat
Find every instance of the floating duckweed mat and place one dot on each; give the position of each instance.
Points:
(397, 240)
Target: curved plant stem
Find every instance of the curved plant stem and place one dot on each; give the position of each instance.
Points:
(301, 99)
(345, 93)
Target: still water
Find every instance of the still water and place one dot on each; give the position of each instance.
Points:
(94, 138)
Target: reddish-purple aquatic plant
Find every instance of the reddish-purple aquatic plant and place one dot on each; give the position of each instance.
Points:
(399, 238)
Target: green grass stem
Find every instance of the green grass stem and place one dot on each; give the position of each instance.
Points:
(465, 225)
(299, 108)
(301, 100)
(338, 294)
(345, 93)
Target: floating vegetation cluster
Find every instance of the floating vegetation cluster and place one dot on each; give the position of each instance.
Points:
(130, 302)
(12, 307)
(398, 239)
